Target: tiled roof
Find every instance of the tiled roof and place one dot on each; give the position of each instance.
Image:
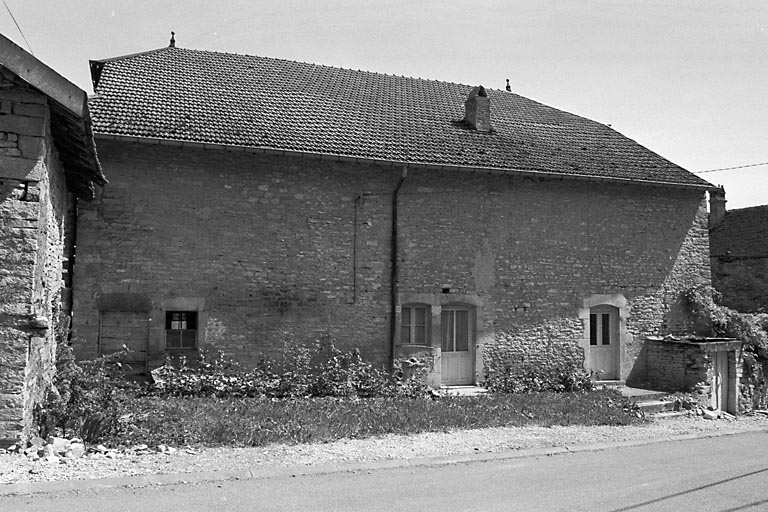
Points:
(241, 100)
(742, 233)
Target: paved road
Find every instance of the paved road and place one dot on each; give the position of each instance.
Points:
(718, 474)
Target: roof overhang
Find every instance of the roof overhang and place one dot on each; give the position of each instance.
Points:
(533, 173)
(70, 117)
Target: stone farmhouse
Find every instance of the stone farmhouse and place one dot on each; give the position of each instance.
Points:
(255, 200)
(47, 162)
(739, 250)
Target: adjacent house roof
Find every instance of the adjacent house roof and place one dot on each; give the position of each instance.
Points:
(256, 102)
(742, 233)
(70, 118)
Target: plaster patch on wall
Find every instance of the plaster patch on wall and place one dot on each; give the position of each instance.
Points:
(214, 330)
(483, 272)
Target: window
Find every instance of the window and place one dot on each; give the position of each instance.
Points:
(600, 328)
(455, 329)
(180, 330)
(415, 325)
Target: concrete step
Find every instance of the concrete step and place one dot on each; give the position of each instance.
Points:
(463, 390)
(655, 406)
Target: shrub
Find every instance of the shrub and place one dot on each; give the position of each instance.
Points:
(533, 378)
(336, 374)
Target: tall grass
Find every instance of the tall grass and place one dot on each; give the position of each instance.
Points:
(261, 421)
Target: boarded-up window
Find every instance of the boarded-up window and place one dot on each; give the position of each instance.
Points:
(129, 329)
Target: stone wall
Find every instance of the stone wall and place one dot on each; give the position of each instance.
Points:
(743, 282)
(33, 213)
(266, 245)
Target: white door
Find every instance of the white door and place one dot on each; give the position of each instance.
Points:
(720, 381)
(603, 350)
(457, 357)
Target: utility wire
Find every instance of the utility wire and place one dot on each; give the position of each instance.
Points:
(731, 168)
(18, 27)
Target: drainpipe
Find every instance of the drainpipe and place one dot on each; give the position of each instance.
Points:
(395, 274)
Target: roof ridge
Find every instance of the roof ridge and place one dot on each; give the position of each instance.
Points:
(281, 59)
(130, 55)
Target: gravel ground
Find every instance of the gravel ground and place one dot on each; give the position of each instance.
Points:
(17, 469)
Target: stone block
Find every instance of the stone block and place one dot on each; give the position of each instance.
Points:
(22, 125)
(31, 147)
(20, 168)
(30, 110)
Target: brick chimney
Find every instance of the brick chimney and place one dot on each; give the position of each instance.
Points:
(477, 109)
(716, 207)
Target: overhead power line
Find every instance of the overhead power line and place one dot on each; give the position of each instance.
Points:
(731, 168)
(18, 27)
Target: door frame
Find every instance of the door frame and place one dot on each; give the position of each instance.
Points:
(471, 341)
(619, 302)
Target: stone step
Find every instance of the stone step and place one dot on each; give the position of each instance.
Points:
(670, 414)
(610, 384)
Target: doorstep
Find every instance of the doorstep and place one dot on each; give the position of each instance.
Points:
(463, 390)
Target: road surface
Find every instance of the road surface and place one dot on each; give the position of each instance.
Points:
(728, 473)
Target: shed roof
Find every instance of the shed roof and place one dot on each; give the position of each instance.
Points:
(257, 102)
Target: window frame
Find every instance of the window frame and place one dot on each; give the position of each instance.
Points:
(409, 325)
(602, 326)
(469, 310)
(186, 317)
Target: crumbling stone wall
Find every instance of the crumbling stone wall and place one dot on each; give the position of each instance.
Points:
(34, 202)
(267, 245)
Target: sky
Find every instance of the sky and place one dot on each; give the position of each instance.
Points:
(686, 78)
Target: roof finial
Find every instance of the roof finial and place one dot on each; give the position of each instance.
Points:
(509, 87)
(173, 40)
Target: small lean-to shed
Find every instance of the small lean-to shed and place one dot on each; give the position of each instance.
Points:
(707, 365)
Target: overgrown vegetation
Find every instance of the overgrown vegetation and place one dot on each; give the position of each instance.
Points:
(260, 421)
(527, 377)
(300, 398)
(88, 396)
(752, 328)
(318, 370)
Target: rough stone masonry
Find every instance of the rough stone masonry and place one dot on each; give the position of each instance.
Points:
(35, 212)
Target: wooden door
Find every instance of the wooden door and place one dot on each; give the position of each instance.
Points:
(457, 359)
(129, 329)
(603, 351)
